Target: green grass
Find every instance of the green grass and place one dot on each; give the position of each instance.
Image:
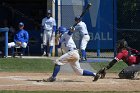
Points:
(115, 69)
(45, 65)
(65, 92)
(25, 65)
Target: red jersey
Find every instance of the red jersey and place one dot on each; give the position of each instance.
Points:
(128, 58)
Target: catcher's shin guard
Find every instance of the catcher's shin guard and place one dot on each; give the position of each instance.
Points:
(128, 75)
(131, 72)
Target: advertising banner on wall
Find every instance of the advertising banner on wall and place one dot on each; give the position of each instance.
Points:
(100, 21)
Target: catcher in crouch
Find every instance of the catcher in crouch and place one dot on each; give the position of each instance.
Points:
(130, 56)
(71, 56)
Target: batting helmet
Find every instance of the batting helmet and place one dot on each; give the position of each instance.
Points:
(77, 18)
(62, 29)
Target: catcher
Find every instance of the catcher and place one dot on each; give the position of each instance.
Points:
(71, 56)
(130, 56)
(20, 39)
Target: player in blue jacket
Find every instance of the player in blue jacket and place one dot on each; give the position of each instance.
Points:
(20, 39)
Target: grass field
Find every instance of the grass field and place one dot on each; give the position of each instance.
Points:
(25, 65)
(44, 65)
(115, 69)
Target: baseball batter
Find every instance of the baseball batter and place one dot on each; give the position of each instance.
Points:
(20, 39)
(49, 27)
(82, 28)
(71, 56)
(130, 56)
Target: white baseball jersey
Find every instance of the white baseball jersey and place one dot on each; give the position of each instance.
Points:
(67, 42)
(48, 23)
(82, 28)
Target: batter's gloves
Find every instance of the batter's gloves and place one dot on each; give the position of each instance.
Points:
(72, 29)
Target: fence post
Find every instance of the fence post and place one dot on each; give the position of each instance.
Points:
(5, 30)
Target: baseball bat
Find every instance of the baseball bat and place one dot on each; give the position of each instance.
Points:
(84, 11)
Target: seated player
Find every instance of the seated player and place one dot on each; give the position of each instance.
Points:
(20, 39)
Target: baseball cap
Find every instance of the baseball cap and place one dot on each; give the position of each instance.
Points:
(21, 24)
(49, 12)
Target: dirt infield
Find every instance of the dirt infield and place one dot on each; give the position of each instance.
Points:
(65, 82)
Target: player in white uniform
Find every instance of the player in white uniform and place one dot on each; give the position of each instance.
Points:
(82, 28)
(71, 56)
(49, 27)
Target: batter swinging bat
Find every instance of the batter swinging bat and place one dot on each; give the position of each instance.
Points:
(84, 11)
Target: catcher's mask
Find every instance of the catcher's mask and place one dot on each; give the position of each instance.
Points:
(121, 44)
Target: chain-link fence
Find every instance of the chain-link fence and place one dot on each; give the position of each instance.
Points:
(129, 22)
(100, 24)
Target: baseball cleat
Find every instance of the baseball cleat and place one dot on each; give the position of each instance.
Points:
(49, 55)
(50, 79)
(135, 75)
(84, 59)
(44, 54)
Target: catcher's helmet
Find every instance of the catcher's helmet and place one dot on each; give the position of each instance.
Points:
(122, 44)
(77, 18)
(62, 29)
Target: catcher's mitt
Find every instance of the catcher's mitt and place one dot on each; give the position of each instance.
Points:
(102, 72)
(18, 43)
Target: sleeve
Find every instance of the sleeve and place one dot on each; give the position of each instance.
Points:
(43, 22)
(15, 38)
(134, 51)
(54, 28)
(54, 22)
(26, 37)
(78, 27)
(119, 56)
